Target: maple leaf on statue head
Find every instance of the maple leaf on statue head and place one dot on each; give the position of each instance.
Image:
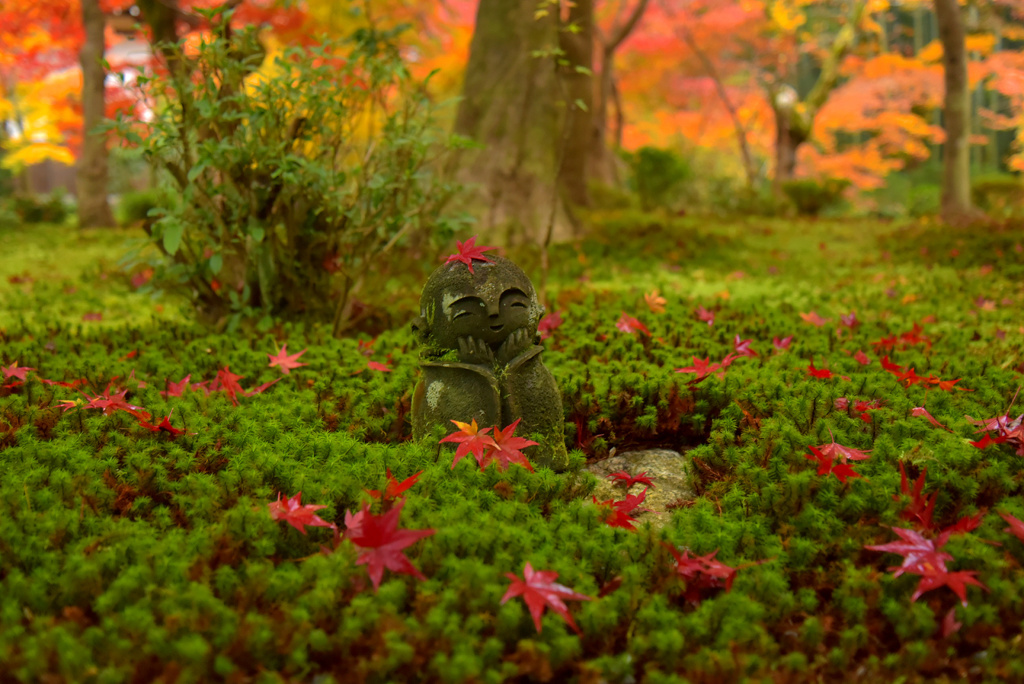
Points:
(467, 252)
(539, 590)
(286, 362)
(471, 440)
(506, 449)
(383, 542)
(295, 514)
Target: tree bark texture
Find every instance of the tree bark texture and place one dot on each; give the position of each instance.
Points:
(956, 180)
(578, 90)
(510, 107)
(91, 181)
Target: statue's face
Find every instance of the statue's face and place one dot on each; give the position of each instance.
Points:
(490, 319)
(488, 305)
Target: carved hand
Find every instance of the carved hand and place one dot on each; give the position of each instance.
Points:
(514, 345)
(472, 350)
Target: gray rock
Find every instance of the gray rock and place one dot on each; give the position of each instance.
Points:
(664, 467)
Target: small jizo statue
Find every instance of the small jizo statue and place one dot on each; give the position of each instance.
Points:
(480, 358)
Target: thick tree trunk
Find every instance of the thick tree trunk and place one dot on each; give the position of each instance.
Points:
(956, 180)
(91, 182)
(510, 107)
(578, 88)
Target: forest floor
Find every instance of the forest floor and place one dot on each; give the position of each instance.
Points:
(845, 393)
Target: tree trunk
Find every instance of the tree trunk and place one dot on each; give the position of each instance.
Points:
(509, 106)
(602, 164)
(956, 179)
(578, 88)
(91, 181)
(788, 140)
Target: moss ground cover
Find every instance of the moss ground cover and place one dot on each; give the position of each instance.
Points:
(130, 555)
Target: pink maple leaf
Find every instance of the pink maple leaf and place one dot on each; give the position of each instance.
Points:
(702, 368)
(467, 252)
(742, 347)
(539, 590)
(16, 372)
(850, 320)
(295, 514)
(705, 315)
(176, 389)
(383, 542)
(1016, 526)
(471, 440)
(506, 449)
(285, 362)
(921, 411)
(861, 358)
(261, 388)
(783, 343)
(549, 324)
(835, 450)
(374, 365)
(628, 324)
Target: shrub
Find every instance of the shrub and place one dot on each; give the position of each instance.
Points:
(40, 209)
(296, 175)
(1000, 194)
(657, 173)
(135, 207)
(811, 196)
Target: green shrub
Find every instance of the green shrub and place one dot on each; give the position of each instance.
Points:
(40, 209)
(999, 194)
(135, 207)
(657, 174)
(812, 196)
(295, 177)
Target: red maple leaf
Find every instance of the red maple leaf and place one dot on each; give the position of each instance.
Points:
(932, 578)
(701, 367)
(620, 511)
(910, 377)
(987, 441)
(506, 449)
(886, 344)
(71, 385)
(295, 514)
(228, 382)
(539, 590)
(742, 347)
(850, 320)
(814, 319)
(782, 344)
(891, 367)
(383, 541)
(628, 324)
(705, 315)
(822, 373)
(116, 402)
(260, 389)
(834, 450)
(827, 465)
(467, 252)
(16, 372)
(374, 365)
(549, 324)
(701, 572)
(394, 488)
(164, 425)
(175, 389)
(285, 362)
(921, 507)
(921, 411)
(861, 358)
(629, 480)
(1016, 527)
(471, 440)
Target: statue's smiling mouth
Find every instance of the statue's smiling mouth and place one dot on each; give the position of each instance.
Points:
(498, 327)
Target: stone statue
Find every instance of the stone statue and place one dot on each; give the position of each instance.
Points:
(480, 358)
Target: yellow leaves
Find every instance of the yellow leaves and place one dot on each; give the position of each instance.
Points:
(1011, 32)
(932, 52)
(786, 18)
(34, 153)
(980, 44)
